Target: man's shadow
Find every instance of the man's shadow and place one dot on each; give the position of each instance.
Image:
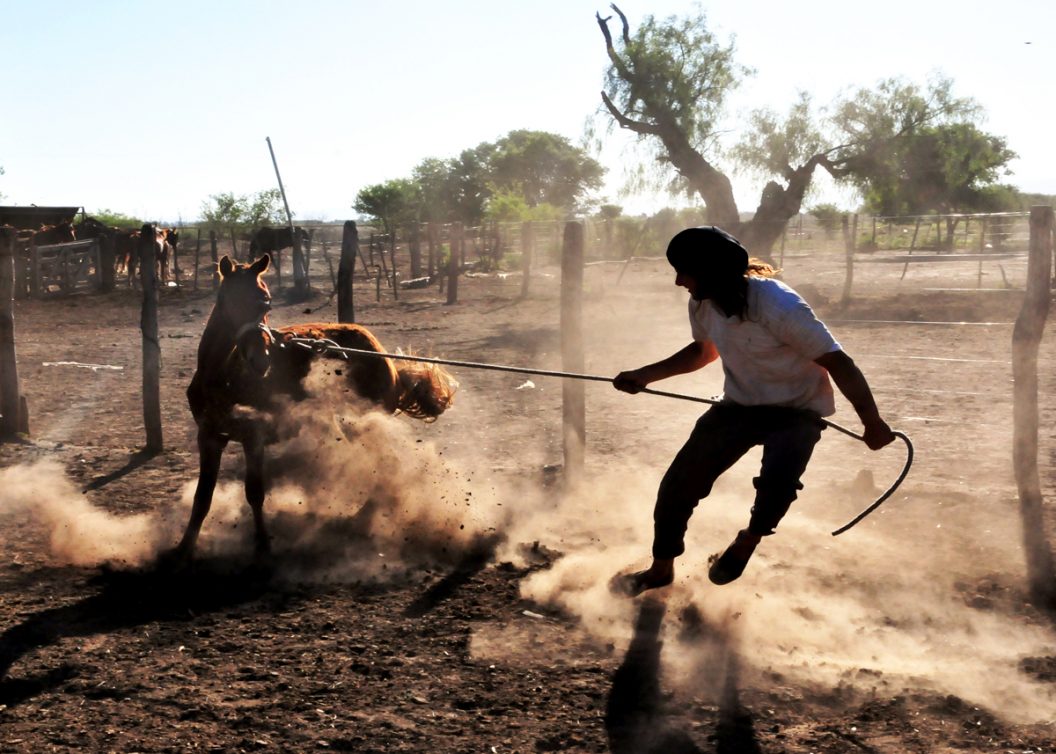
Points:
(634, 719)
(121, 600)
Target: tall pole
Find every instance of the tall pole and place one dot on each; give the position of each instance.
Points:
(298, 261)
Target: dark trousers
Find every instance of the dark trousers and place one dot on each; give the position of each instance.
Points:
(721, 437)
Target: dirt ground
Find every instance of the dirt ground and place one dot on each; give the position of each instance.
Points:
(442, 587)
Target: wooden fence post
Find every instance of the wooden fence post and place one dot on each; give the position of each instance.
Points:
(415, 250)
(213, 256)
(573, 394)
(527, 244)
(850, 243)
(107, 261)
(346, 267)
(197, 254)
(11, 418)
(300, 269)
(453, 263)
(1026, 337)
(148, 325)
(432, 237)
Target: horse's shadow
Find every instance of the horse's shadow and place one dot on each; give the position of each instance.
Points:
(124, 599)
(634, 717)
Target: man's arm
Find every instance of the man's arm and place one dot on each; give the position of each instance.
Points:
(696, 355)
(851, 382)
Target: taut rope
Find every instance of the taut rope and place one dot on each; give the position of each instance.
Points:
(324, 345)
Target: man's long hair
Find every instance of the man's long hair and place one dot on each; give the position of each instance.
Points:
(709, 252)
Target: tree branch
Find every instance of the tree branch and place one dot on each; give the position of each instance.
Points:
(634, 125)
(617, 62)
(626, 26)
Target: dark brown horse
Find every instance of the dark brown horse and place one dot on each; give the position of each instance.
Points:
(269, 240)
(246, 369)
(51, 234)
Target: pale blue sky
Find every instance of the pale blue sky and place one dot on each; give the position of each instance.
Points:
(148, 108)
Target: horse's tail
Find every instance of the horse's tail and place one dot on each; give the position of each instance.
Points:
(423, 390)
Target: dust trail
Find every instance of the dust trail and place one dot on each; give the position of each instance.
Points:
(887, 606)
(355, 494)
(79, 533)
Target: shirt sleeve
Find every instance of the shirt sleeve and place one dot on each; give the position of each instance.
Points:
(793, 322)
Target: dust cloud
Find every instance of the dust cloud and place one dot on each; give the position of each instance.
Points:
(361, 495)
(354, 494)
(79, 532)
(885, 607)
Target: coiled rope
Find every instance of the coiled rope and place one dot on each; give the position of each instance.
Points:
(325, 345)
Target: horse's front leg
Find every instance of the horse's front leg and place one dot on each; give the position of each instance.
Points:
(253, 446)
(210, 449)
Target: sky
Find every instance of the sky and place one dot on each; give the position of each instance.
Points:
(149, 108)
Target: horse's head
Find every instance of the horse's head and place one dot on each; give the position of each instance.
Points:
(243, 298)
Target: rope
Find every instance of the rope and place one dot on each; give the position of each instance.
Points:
(325, 345)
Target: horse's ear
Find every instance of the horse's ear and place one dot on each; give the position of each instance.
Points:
(261, 264)
(226, 266)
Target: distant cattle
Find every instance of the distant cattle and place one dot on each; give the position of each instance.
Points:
(269, 240)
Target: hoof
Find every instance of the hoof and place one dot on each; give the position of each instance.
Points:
(176, 559)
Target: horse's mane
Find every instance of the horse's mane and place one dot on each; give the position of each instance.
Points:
(423, 391)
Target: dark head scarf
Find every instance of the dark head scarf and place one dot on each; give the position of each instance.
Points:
(707, 251)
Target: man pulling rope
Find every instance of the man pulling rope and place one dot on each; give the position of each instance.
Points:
(777, 358)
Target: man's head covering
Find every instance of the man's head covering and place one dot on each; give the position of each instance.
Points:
(707, 250)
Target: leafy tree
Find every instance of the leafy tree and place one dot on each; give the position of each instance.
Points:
(388, 204)
(947, 168)
(510, 206)
(669, 82)
(117, 219)
(538, 167)
(829, 217)
(544, 168)
(265, 208)
(226, 210)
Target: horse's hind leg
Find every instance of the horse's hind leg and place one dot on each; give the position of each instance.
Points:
(254, 450)
(210, 449)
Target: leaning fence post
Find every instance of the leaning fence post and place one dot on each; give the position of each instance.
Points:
(148, 325)
(10, 412)
(573, 394)
(1026, 337)
(346, 267)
